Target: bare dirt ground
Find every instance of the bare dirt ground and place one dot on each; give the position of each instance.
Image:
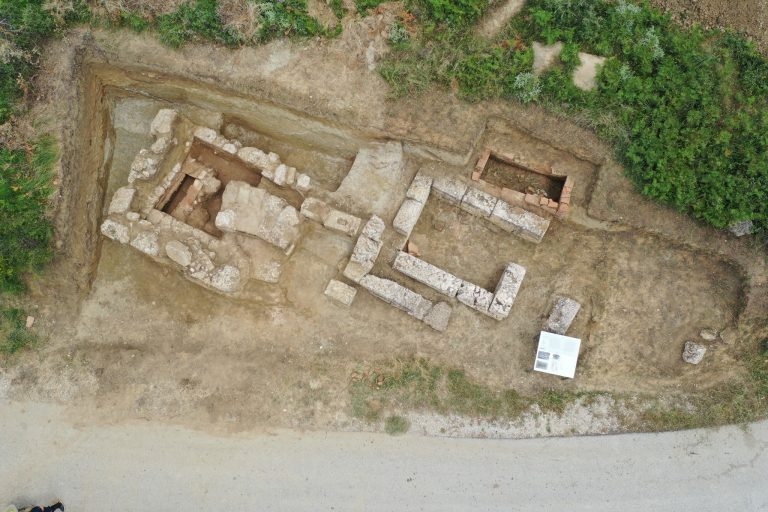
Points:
(128, 338)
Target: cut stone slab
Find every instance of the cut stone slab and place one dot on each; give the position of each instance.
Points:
(115, 231)
(315, 209)
(585, 75)
(544, 56)
(742, 228)
(562, 315)
(144, 166)
(121, 201)
(397, 295)
(162, 124)
(449, 188)
(420, 188)
(494, 21)
(521, 222)
(374, 228)
(428, 274)
(506, 291)
(475, 297)
(303, 183)
(342, 222)
(374, 181)
(147, 242)
(407, 216)
(479, 203)
(178, 252)
(438, 317)
(709, 334)
(226, 278)
(693, 353)
(340, 292)
(363, 258)
(256, 212)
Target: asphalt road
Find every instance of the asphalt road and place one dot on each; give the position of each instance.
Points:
(142, 466)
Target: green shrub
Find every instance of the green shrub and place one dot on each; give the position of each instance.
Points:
(14, 334)
(365, 6)
(396, 425)
(25, 231)
(454, 13)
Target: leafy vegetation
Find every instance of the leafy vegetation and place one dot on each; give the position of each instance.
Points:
(14, 334)
(687, 109)
(415, 384)
(395, 425)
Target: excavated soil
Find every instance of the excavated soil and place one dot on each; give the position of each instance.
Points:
(129, 338)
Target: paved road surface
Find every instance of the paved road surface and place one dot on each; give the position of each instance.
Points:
(146, 467)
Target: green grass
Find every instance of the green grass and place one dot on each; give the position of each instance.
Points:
(416, 384)
(686, 109)
(396, 425)
(14, 334)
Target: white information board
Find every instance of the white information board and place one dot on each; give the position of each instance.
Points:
(557, 354)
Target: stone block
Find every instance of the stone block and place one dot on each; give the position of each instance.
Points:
(372, 184)
(303, 183)
(506, 291)
(475, 297)
(438, 317)
(225, 278)
(407, 216)
(420, 188)
(340, 292)
(693, 352)
(477, 202)
(115, 231)
(342, 222)
(428, 274)
(206, 134)
(144, 166)
(397, 295)
(516, 220)
(374, 228)
(178, 252)
(449, 188)
(162, 124)
(562, 315)
(253, 156)
(147, 242)
(315, 209)
(121, 201)
(363, 258)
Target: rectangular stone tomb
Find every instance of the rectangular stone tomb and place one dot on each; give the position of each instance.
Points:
(254, 211)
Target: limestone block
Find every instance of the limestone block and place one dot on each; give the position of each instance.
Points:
(693, 353)
(132, 216)
(477, 202)
(372, 184)
(746, 227)
(449, 188)
(340, 292)
(420, 188)
(506, 291)
(161, 145)
(116, 231)
(562, 315)
(121, 201)
(147, 242)
(162, 124)
(303, 183)
(516, 220)
(342, 222)
(281, 174)
(407, 216)
(363, 258)
(397, 295)
(144, 166)
(544, 56)
(206, 134)
(428, 274)
(374, 228)
(226, 278)
(585, 75)
(438, 317)
(178, 252)
(254, 157)
(256, 212)
(315, 209)
(474, 297)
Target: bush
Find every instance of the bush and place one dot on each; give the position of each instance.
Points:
(454, 13)
(395, 425)
(25, 231)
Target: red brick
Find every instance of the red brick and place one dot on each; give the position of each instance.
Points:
(532, 199)
(543, 201)
(552, 204)
(476, 175)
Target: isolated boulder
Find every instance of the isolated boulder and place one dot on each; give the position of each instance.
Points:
(693, 352)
